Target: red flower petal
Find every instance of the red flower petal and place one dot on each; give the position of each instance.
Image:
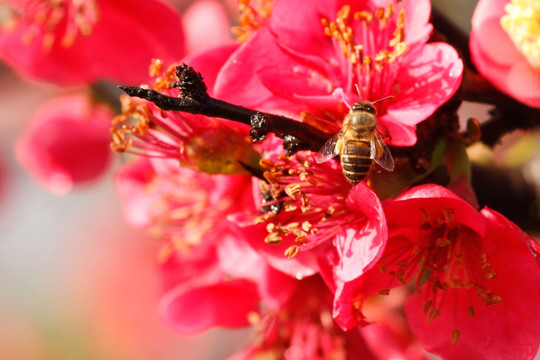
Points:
(524, 84)
(302, 32)
(359, 246)
(209, 63)
(406, 209)
(126, 36)
(508, 329)
(432, 75)
(505, 53)
(237, 81)
(207, 25)
(130, 184)
(226, 304)
(304, 264)
(497, 58)
(66, 143)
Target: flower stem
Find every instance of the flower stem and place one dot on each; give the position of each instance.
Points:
(194, 99)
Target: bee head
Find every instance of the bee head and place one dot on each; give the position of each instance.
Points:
(362, 106)
(362, 115)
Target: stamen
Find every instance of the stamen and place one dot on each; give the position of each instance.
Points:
(451, 259)
(291, 251)
(433, 313)
(522, 23)
(384, 292)
(79, 18)
(147, 130)
(455, 336)
(311, 210)
(273, 239)
(253, 15)
(370, 42)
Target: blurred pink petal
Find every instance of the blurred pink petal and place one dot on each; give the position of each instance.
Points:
(226, 304)
(497, 57)
(83, 41)
(206, 25)
(66, 143)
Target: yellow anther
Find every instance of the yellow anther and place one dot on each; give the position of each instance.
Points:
(455, 337)
(522, 23)
(291, 251)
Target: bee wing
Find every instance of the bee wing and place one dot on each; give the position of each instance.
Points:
(329, 150)
(380, 152)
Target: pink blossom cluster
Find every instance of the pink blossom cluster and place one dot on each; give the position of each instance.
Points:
(321, 268)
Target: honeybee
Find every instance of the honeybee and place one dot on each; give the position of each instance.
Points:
(358, 143)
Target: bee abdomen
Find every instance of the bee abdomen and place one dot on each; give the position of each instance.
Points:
(355, 159)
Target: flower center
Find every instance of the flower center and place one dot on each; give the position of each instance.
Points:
(182, 218)
(203, 145)
(53, 19)
(373, 44)
(253, 15)
(302, 328)
(302, 203)
(522, 23)
(447, 256)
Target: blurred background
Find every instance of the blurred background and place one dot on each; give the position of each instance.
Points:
(76, 282)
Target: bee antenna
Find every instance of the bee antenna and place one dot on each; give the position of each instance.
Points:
(384, 98)
(358, 91)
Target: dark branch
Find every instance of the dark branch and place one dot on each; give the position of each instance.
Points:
(194, 99)
(448, 31)
(507, 115)
(505, 120)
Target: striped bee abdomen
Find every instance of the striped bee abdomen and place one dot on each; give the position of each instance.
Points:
(355, 159)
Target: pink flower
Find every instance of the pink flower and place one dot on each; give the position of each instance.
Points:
(504, 47)
(74, 42)
(66, 143)
(470, 290)
(302, 328)
(195, 141)
(207, 25)
(171, 202)
(314, 57)
(388, 335)
(312, 217)
(202, 297)
(187, 210)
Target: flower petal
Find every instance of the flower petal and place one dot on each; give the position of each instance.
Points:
(504, 53)
(302, 265)
(209, 63)
(409, 208)
(207, 25)
(298, 24)
(524, 84)
(361, 244)
(236, 81)
(490, 334)
(120, 46)
(428, 80)
(225, 304)
(66, 143)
